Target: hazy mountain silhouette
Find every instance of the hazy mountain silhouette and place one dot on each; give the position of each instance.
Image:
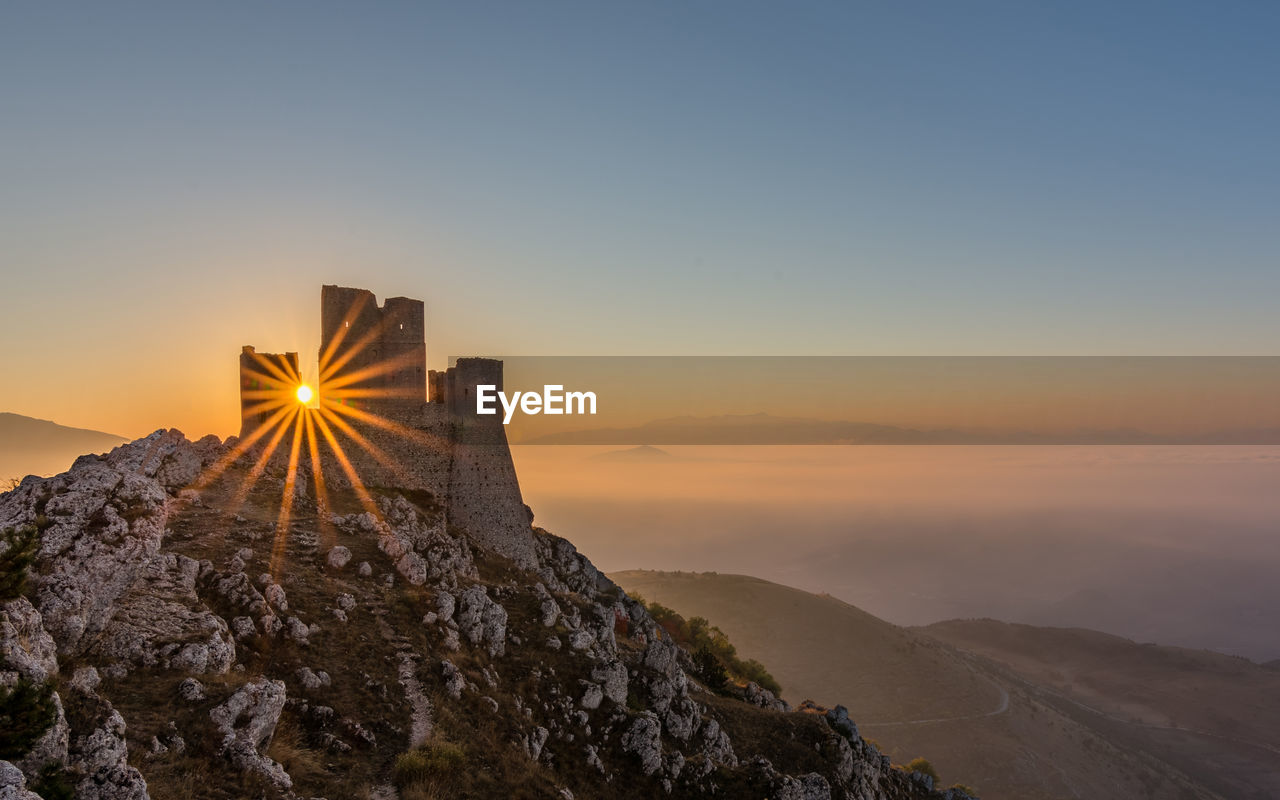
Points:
(768, 429)
(1016, 711)
(30, 446)
(642, 454)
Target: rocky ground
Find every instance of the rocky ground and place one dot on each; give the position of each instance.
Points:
(205, 640)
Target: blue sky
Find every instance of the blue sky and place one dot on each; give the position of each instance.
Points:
(699, 177)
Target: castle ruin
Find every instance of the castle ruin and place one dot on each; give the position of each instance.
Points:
(423, 423)
(260, 378)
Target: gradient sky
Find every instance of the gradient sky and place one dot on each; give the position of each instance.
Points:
(635, 178)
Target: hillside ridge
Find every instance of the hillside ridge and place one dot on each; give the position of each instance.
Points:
(32, 446)
(206, 627)
(1013, 728)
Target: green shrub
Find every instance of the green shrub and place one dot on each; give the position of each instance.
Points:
(698, 634)
(753, 670)
(20, 545)
(966, 789)
(710, 670)
(26, 712)
(922, 765)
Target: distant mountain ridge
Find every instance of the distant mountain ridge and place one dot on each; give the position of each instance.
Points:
(30, 446)
(765, 429)
(641, 454)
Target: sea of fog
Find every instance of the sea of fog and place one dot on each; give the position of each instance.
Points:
(1173, 545)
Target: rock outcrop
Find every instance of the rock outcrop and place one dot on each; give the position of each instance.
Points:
(247, 720)
(13, 784)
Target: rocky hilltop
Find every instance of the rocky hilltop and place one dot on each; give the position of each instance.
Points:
(203, 633)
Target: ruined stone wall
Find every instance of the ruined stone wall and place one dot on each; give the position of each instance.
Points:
(484, 492)
(465, 464)
(262, 384)
(384, 347)
(374, 359)
(461, 383)
(485, 499)
(404, 351)
(418, 454)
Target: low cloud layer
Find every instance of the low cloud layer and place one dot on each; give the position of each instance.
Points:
(1166, 544)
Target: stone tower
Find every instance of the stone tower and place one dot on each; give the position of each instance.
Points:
(372, 357)
(266, 379)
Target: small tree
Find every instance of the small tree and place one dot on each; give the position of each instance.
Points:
(710, 670)
(26, 712)
(26, 709)
(19, 553)
(923, 766)
(753, 670)
(697, 635)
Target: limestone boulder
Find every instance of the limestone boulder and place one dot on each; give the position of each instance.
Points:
(246, 721)
(13, 784)
(99, 753)
(339, 556)
(161, 622)
(102, 525)
(613, 680)
(482, 621)
(25, 646)
(763, 698)
(643, 739)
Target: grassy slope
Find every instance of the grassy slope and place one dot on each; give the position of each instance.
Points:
(1217, 715)
(826, 650)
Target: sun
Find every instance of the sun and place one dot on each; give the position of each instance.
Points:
(304, 393)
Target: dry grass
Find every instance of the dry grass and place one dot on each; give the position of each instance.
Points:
(433, 770)
(364, 686)
(184, 776)
(492, 764)
(288, 747)
(794, 743)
